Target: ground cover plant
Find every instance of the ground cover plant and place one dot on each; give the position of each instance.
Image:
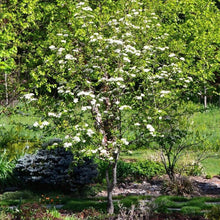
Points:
(45, 204)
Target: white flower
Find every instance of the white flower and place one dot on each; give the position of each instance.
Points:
(126, 59)
(124, 106)
(52, 47)
(103, 152)
(84, 108)
(69, 57)
(61, 61)
(182, 58)
(124, 141)
(112, 41)
(94, 151)
(138, 97)
(150, 128)
(54, 114)
(81, 3)
(93, 102)
(59, 34)
(60, 50)
(117, 102)
(67, 136)
(36, 124)
(146, 47)
(86, 94)
(75, 100)
(45, 123)
(165, 92)
(63, 41)
(116, 79)
(65, 35)
(66, 144)
(137, 124)
(172, 55)
(76, 139)
(28, 96)
(87, 9)
(90, 132)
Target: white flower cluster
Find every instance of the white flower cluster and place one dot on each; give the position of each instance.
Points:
(89, 93)
(124, 141)
(84, 108)
(41, 125)
(63, 90)
(164, 92)
(151, 129)
(29, 97)
(52, 114)
(125, 107)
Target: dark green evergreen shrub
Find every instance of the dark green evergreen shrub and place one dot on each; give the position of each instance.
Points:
(54, 169)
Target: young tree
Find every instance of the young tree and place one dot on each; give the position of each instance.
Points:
(108, 71)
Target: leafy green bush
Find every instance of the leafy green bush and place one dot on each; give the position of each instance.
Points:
(191, 210)
(132, 171)
(17, 141)
(6, 169)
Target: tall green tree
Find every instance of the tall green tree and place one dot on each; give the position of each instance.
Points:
(193, 28)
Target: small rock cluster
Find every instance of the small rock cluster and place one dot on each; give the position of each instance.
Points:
(143, 188)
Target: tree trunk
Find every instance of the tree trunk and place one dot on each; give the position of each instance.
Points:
(110, 205)
(6, 89)
(205, 97)
(111, 183)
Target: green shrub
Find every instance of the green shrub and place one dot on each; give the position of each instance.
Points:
(17, 195)
(17, 141)
(132, 171)
(6, 168)
(191, 210)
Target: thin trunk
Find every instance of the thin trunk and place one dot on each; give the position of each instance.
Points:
(110, 206)
(6, 89)
(111, 183)
(205, 97)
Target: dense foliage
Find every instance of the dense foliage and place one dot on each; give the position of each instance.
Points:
(54, 169)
